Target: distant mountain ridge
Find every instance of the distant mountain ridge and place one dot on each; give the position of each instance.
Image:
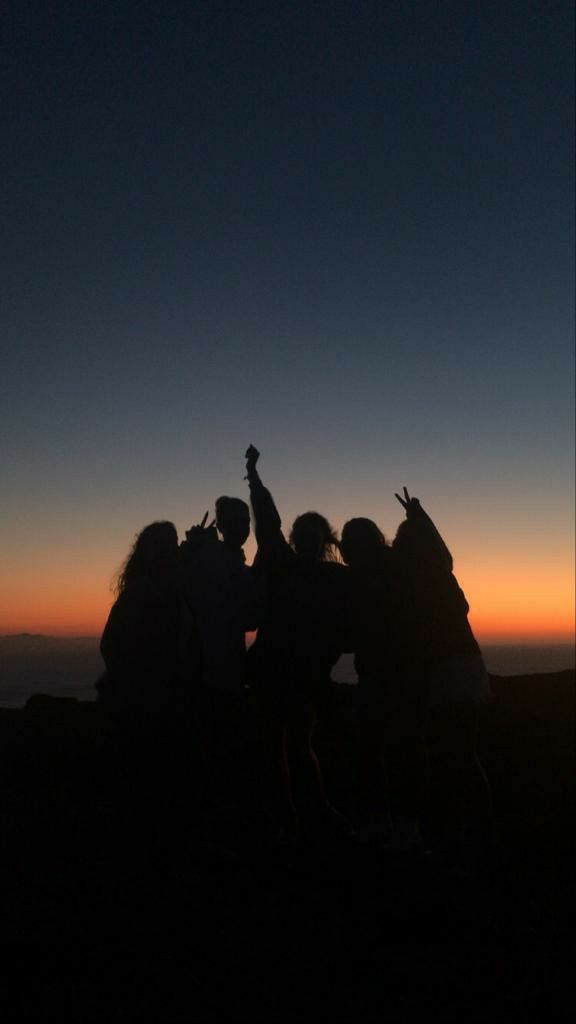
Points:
(44, 636)
(31, 663)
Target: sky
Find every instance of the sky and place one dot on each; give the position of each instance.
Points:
(342, 231)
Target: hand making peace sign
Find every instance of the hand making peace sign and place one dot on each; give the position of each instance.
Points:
(201, 532)
(407, 502)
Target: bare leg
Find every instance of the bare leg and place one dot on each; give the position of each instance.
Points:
(318, 815)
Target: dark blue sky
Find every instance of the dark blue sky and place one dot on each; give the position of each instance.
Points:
(343, 231)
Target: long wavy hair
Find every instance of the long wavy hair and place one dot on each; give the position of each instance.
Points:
(362, 538)
(314, 539)
(152, 549)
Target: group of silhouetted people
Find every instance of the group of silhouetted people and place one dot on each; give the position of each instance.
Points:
(179, 676)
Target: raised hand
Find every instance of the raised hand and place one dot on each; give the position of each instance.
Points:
(407, 502)
(252, 456)
(200, 532)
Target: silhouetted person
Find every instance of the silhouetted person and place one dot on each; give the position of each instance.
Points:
(140, 642)
(233, 522)
(457, 683)
(390, 695)
(153, 755)
(223, 603)
(222, 592)
(301, 636)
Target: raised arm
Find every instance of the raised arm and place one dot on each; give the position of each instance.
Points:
(267, 522)
(420, 520)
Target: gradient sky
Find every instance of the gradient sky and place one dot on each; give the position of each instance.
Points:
(340, 230)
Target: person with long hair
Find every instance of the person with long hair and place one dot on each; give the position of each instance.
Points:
(152, 760)
(458, 684)
(140, 642)
(301, 636)
(390, 768)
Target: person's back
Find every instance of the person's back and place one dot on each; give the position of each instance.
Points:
(457, 686)
(222, 595)
(306, 610)
(391, 686)
(302, 634)
(222, 601)
(139, 646)
(441, 606)
(140, 642)
(311, 613)
(152, 750)
(383, 616)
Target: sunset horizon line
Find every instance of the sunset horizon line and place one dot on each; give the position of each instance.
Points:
(560, 639)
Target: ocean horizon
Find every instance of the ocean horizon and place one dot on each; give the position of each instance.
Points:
(68, 667)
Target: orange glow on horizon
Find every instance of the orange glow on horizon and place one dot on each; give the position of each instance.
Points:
(507, 617)
(516, 595)
(534, 605)
(62, 612)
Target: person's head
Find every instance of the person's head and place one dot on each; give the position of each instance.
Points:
(233, 521)
(363, 544)
(409, 543)
(313, 539)
(153, 554)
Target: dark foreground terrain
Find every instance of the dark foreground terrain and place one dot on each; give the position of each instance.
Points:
(105, 919)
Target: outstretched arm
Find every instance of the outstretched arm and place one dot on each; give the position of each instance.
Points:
(267, 522)
(417, 516)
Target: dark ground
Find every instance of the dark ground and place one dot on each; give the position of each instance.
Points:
(102, 923)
